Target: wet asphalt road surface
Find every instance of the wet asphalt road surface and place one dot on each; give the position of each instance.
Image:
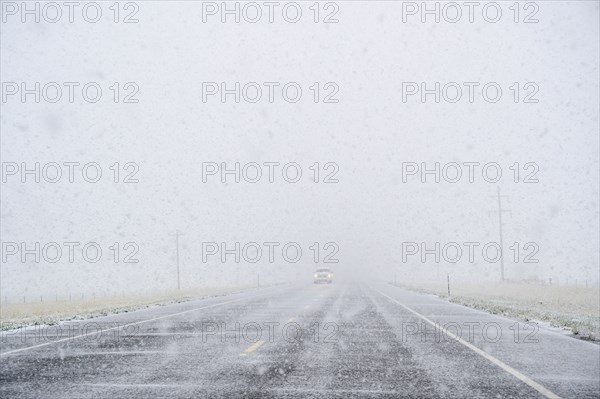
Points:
(300, 341)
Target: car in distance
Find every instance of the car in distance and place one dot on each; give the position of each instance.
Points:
(323, 276)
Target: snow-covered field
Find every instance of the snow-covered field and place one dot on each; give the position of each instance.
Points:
(576, 309)
(48, 313)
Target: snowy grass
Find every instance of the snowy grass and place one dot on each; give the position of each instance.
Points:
(576, 309)
(49, 313)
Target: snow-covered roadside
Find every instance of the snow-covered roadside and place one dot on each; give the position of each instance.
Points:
(525, 303)
(17, 316)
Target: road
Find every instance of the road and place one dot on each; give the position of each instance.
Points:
(298, 341)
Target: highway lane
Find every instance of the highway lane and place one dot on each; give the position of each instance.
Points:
(339, 340)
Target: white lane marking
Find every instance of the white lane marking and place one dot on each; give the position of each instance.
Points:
(120, 353)
(127, 325)
(111, 385)
(537, 386)
(215, 387)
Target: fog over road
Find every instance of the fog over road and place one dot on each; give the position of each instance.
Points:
(339, 340)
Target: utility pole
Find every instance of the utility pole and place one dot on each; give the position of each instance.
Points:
(177, 234)
(499, 212)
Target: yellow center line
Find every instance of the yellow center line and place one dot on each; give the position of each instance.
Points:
(252, 347)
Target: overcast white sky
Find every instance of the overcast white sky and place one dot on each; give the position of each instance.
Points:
(369, 134)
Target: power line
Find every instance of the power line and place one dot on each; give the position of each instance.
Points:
(176, 235)
(499, 212)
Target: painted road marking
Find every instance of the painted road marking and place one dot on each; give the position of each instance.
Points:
(252, 347)
(537, 386)
(119, 353)
(130, 324)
